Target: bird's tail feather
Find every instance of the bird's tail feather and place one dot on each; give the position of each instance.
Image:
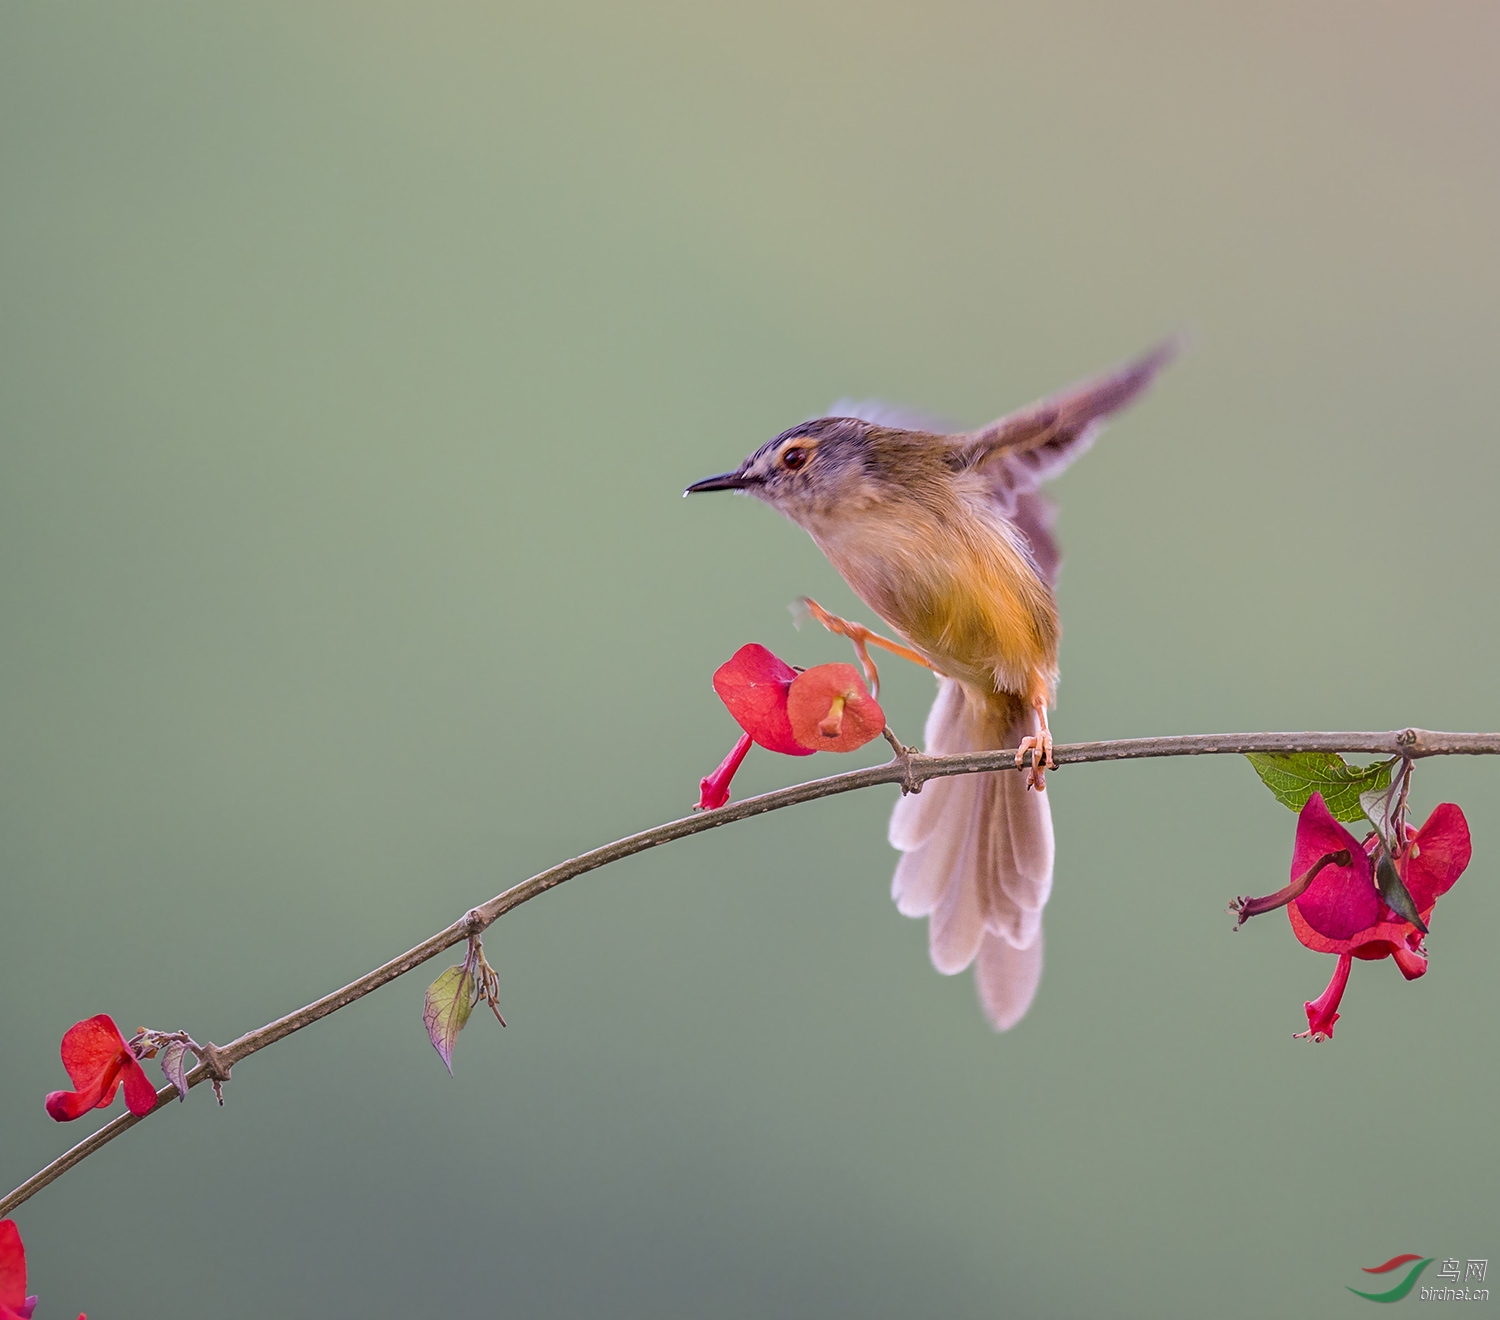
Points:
(978, 858)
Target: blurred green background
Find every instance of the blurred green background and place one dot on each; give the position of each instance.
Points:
(354, 360)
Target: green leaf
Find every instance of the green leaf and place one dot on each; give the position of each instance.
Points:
(1394, 891)
(450, 1000)
(1293, 777)
(1376, 806)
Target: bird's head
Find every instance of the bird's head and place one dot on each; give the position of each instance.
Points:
(812, 473)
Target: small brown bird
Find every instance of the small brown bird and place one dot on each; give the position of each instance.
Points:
(946, 538)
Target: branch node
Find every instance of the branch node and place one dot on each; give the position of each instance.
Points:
(212, 1058)
(911, 780)
(215, 1065)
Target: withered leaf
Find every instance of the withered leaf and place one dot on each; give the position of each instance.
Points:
(450, 1000)
(174, 1057)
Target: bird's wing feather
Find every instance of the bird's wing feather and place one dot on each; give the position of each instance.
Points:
(1048, 433)
(1032, 445)
(1025, 448)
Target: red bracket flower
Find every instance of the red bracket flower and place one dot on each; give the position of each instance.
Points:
(14, 1303)
(826, 708)
(99, 1060)
(1335, 906)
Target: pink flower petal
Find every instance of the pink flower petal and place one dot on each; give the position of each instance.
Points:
(1442, 851)
(1411, 963)
(12, 1266)
(140, 1090)
(95, 1054)
(1342, 901)
(753, 683)
(831, 709)
(89, 1046)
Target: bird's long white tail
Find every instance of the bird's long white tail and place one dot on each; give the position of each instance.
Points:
(978, 859)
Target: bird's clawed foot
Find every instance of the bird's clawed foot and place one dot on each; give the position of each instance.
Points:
(860, 636)
(1040, 747)
(1038, 744)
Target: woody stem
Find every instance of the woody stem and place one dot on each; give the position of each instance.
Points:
(910, 771)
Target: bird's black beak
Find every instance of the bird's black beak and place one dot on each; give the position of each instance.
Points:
(724, 481)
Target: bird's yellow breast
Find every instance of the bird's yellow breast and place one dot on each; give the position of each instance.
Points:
(956, 585)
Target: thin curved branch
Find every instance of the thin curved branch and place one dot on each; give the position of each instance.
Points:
(910, 769)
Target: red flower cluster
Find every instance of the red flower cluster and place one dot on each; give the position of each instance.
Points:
(14, 1303)
(824, 709)
(1340, 910)
(99, 1060)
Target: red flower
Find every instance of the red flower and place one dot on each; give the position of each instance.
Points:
(98, 1060)
(714, 790)
(831, 710)
(1340, 909)
(14, 1303)
(754, 684)
(826, 708)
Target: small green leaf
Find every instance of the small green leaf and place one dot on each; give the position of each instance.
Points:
(1376, 806)
(450, 1000)
(1293, 777)
(1394, 891)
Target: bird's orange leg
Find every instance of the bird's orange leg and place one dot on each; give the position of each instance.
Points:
(1039, 745)
(862, 638)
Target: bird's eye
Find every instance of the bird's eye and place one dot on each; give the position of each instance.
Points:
(794, 458)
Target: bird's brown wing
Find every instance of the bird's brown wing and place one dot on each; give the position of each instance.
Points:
(1025, 448)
